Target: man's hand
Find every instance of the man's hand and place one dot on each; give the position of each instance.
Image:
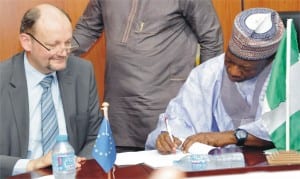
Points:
(79, 162)
(46, 161)
(216, 139)
(41, 162)
(165, 145)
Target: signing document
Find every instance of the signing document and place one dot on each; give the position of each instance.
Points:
(154, 159)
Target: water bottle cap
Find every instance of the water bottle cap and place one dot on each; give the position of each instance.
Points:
(60, 138)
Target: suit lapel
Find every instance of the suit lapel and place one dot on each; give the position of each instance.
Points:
(19, 97)
(67, 92)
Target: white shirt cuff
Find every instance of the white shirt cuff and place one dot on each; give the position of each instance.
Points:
(20, 166)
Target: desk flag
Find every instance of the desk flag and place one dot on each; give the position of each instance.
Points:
(281, 111)
(104, 151)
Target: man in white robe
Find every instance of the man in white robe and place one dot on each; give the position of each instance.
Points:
(220, 103)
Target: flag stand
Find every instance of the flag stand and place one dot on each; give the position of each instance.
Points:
(104, 151)
(284, 158)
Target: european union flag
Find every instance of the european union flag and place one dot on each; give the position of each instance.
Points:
(104, 151)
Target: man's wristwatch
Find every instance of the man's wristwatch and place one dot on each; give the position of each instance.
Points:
(241, 136)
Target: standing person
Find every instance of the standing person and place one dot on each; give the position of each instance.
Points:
(31, 116)
(226, 107)
(151, 47)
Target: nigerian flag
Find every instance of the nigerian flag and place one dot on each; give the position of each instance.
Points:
(281, 110)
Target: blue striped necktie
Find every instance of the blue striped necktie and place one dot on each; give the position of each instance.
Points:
(48, 115)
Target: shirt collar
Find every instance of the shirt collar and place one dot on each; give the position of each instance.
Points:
(33, 76)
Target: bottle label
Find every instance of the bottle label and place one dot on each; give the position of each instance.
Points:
(63, 162)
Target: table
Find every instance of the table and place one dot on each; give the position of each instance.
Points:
(255, 160)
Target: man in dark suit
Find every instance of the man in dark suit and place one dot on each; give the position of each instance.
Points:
(46, 37)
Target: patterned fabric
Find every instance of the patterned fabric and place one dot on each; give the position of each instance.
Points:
(256, 34)
(48, 116)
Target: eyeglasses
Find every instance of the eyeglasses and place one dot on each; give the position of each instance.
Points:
(55, 49)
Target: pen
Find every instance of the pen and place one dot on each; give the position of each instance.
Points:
(168, 129)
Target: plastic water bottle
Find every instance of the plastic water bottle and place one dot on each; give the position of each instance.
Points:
(63, 159)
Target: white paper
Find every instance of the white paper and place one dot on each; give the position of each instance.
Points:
(270, 151)
(158, 160)
(250, 175)
(47, 177)
(155, 160)
(199, 148)
(150, 157)
(132, 158)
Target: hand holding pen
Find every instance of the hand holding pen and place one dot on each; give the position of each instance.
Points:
(168, 128)
(166, 143)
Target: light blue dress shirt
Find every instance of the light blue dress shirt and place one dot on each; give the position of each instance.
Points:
(198, 106)
(35, 149)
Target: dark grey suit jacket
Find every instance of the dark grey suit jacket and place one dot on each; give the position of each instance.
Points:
(80, 102)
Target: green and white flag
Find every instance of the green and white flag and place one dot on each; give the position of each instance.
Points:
(281, 110)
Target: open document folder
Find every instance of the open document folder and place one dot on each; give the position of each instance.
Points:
(197, 153)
